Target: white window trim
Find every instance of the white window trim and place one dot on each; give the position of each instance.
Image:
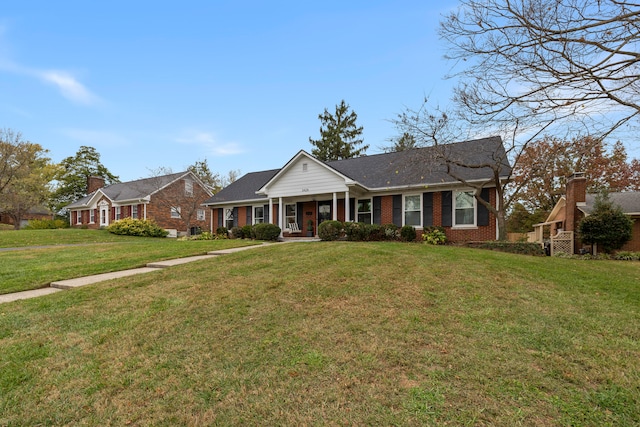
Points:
(177, 211)
(202, 217)
(404, 197)
(78, 217)
(253, 213)
(357, 211)
(188, 188)
(92, 216)
(134, 211)
(117, 213)
(295, 215)
(475, 211)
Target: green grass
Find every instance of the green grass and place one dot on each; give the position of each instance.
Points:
(333, 334)
(97, 252)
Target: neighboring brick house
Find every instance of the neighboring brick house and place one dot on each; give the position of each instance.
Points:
(404, 188)
(39, 212)
(562, 222)
(173, 201)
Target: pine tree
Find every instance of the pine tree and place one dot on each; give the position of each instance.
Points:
(607, 226)
(339, 135)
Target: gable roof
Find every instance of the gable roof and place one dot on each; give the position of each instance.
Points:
(629, 201)
(416, 167)
(132, 190)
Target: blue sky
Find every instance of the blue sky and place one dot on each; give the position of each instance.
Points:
(163, 84)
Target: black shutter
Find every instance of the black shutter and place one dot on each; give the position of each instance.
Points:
(299, 219)
(377, 210)
(397, 210)
(249, 209)
(266, 213)
(447, 206)
(427, 209)
(220, 220)
(483, 212)
(235, 217)
(352, 209)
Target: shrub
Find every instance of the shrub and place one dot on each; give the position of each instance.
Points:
(236, 233)
(330, 230)
(354, 231)
(137, 227)
(607, 225)
(44, 224)
(627, 256)
(434, 235)
(407, 233)
(247, 232)
(522, 248)
(266, 231)
(222, 230)
(373, 232)
(390, 232)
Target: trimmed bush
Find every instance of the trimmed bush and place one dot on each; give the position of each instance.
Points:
(222, 230)
(407, 233)
(236, 233)
(522, 248)
(266, 231)
(46, 224)
(390, 232)
(330, 230)
(247, 232)
(137, 227)
(434, 235)
(354, 231)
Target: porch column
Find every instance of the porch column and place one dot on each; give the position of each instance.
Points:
(347, 208)
(145, 210)
(271, 211)
(335, 206)
(280, 215)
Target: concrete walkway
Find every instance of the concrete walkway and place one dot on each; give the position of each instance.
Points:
(89, 280)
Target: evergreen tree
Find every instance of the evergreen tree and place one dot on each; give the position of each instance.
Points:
(340, 137)
(75, 170)
(607, 226)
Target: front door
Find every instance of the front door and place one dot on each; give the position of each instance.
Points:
(324, 211)
(104, 214)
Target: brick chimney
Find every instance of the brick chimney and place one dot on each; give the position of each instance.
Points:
(93, 183)
(576, 193)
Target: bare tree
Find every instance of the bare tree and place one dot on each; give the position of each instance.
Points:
(547, 61)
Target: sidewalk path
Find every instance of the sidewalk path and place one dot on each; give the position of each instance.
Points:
(88, 280)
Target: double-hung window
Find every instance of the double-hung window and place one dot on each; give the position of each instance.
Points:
(290, 214)
(228, 218)
(412, 210)
(92, 216)
(134, 211)
(464, 209)
(175, 211)
(118, 212)
(364, 210)
(188, 188)
(201, 215)
(258, 214)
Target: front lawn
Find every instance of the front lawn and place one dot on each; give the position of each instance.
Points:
(333, 333)
(97, 252)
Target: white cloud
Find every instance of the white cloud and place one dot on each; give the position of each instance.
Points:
(209, 142)
(69, 86)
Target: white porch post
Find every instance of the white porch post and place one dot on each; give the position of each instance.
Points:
(271, 211)
(347, 209)
(145, 210)
(280, 215)
(335, 207)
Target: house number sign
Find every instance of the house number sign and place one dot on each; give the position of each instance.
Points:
(305, 190)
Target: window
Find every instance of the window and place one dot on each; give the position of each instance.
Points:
(134, 211)
(305, 167)
(228, 218)
(464, 209)
(118, 212)
(258, 214)
(201, 215)
(188, 187)
(290, 214)
(175, 212)
(92, 216)
(78, 217)
(364, 211)
(412, 211)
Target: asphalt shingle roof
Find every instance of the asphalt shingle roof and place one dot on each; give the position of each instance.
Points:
(412, 167)
(628, 201)
(130, 190)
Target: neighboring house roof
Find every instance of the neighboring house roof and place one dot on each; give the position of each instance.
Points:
(133, 190)
(628, 201)
(417, 167)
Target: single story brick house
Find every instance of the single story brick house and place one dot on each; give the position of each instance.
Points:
(173, 201)
(560, 228)
(409, 187)
(38, 212)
